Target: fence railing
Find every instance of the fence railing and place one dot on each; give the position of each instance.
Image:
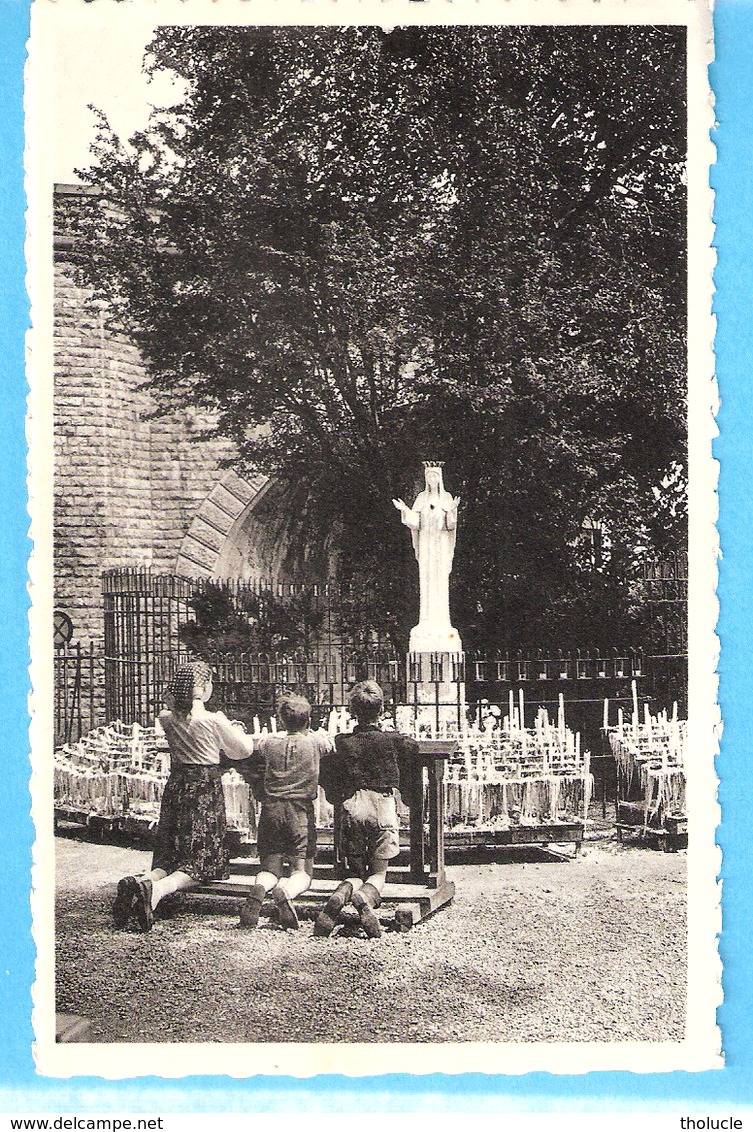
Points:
(92, 688)
(145, 616)
(249, 685)
(79, 690)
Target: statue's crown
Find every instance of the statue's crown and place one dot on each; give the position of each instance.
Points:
(433, 463)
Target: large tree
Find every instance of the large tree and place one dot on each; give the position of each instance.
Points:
(359, 248)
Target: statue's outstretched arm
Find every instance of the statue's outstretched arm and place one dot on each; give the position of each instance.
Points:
(410, 518)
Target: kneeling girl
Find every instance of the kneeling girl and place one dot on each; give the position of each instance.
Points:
(190, 842)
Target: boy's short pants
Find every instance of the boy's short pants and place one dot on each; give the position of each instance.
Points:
(369, 829)
(286, 828)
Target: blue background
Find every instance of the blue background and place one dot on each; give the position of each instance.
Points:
(20, 1089)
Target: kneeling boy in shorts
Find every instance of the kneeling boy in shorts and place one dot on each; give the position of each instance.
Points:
(362, 777)
(287, 827)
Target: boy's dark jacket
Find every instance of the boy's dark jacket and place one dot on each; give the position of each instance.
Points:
(368, 759)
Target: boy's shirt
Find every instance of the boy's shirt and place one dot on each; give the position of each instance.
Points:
(367, 759)
(291, 763)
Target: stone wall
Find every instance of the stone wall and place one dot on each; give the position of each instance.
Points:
(127, 489)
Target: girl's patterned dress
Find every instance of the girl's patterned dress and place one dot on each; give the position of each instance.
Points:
(192, 822)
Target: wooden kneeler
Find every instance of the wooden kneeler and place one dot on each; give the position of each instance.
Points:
(412, 893)
(427, 868)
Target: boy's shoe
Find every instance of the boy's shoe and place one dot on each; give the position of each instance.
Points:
(251, 907)
(330, 913)
(288, 917)
(366, 900)
(122, 905)
(142, 904)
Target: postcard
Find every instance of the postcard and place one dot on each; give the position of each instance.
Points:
(373, 506)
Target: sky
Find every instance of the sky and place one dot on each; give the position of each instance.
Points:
(102, 65)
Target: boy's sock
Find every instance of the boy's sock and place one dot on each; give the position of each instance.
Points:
(329, 915)
(366, 900)
(251, 906)
(287, 913)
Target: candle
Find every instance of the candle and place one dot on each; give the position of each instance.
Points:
(634, 688)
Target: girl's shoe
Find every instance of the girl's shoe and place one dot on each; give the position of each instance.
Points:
(143, 905)
(122, 905)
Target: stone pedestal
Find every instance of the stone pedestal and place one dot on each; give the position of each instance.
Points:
(427, 637)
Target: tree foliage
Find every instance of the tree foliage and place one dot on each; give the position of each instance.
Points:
(226, 621)
(357, 249)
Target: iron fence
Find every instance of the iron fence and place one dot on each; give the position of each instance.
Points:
(146, 617)
(665, 592)
(249, 685)
(144, 614)
(79, 690)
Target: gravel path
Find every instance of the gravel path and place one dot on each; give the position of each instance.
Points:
(588, 950)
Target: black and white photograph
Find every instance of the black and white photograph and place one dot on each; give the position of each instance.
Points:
(374, 711)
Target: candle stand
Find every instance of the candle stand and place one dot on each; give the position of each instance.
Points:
(650, 802)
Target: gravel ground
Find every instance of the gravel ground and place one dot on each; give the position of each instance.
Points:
(530, 950)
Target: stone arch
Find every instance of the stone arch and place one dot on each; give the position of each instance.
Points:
(251, 529)
(206, 550)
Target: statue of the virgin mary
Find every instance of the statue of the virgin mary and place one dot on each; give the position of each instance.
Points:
(433, 521)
